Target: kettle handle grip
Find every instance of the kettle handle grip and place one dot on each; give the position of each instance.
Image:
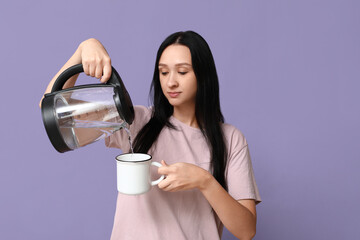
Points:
(78, 68)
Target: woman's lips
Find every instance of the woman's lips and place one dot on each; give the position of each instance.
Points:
(174, 94)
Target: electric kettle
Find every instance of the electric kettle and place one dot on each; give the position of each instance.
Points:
(77, 116)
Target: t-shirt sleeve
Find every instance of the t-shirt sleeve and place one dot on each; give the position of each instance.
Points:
(240, 173)
(120, 139)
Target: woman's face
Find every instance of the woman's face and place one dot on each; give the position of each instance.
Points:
(177, 77)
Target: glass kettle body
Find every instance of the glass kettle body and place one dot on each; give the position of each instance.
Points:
(78, 116)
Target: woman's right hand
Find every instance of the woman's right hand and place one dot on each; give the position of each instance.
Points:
(96, 63)
(95, 59)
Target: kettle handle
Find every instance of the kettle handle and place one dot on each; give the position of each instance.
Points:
(78, 68)
(121, 96)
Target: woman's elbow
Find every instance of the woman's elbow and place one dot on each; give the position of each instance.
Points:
(248, 235)
(252, 234)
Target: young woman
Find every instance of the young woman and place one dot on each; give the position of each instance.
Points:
(209, 177)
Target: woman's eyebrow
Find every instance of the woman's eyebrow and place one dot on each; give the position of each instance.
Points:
(178, 64)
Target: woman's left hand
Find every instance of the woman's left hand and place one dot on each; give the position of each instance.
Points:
(183, 176)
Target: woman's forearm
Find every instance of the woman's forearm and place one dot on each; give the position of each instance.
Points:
(74, 59)
(238, 219)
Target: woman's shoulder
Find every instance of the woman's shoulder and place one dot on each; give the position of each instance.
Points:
(233, 136)
(142, 115)
(142, 112)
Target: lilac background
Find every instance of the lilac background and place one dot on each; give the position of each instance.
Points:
(289, 73)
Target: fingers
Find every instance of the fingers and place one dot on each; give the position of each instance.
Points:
(170, 185)
(165, 169)
(106, 73)
(95, 60)
(92, 68)
(97, 68)
(164, 184)
(86, 68)
(98, 72)
(167, 185)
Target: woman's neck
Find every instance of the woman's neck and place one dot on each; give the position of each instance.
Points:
(186, 115)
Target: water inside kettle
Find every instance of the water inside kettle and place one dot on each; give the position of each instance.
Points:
(109, 127)
(78, 133)
(104, 129)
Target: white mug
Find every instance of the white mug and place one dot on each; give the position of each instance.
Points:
(133, 173)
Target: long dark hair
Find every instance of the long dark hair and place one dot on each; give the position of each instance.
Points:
(207, 107)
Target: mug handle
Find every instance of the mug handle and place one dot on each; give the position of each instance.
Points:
(153, 183)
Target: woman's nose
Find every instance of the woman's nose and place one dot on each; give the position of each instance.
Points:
(172, 81)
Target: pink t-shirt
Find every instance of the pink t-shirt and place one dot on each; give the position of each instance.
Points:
(185, 214)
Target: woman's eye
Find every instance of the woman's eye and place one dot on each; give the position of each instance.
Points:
(164, 73)
(183, 73)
